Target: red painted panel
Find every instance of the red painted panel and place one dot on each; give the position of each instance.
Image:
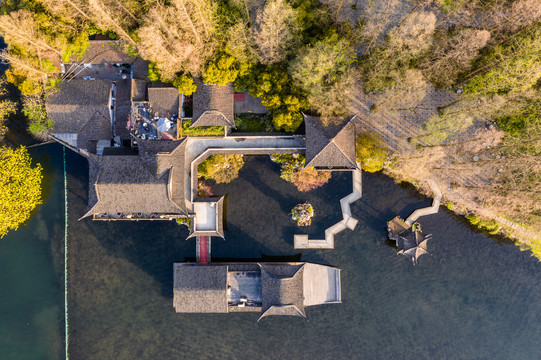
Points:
(239, 97)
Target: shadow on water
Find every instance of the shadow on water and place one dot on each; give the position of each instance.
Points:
(471, 289)
(262, 258)
(154, 246)
(31, 268)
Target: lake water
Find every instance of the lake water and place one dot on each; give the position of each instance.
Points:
(474, 297)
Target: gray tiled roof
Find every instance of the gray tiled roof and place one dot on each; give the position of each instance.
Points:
(76, 101)
(93, 171)
(164, 100)
(103, 51)
(138, 90)
(161, 155)
(213, 105)
(125, 184)
(330, 144)
(200, 288)
(220, 221)
(122, 108)
(140, 69)
(282, 290)
(98, 127)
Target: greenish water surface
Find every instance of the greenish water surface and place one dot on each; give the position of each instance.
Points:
(474, 297)
(31, 273)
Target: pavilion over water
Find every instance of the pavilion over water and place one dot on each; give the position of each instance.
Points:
(142, 168)
(267, 288)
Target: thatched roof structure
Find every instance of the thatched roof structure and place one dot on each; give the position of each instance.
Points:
(330, 144)
(396, 226)
(213, 105)
(410, 240)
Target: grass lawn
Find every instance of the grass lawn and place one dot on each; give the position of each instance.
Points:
(201, 131)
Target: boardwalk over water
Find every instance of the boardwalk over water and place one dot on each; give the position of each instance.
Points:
(427, 210)
(202, 249)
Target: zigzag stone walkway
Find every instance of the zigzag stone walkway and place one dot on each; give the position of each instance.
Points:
(427, 210)
(301, 241)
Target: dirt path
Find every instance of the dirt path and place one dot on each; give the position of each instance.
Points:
(464, 168)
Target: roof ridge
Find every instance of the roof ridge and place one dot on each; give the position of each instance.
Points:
(340, 133)
(261, 265)
(169, 190)
(322, 150)
(270, 309)
(90, 118)
(90, 211)
(212, 112)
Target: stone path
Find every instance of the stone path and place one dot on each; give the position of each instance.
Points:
(198, 149)
(427, 210)
(301, 241)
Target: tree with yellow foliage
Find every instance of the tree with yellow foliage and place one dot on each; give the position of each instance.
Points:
(20, 188)
(370, 152)
(221, 168)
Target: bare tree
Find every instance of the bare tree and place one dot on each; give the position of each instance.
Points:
(111, 18)
(415, 34)
(7, 107)
(115, 15)
(454, 54)
(276, 31)
(179, 37)
(26, 65)
(407, 94)
(20, 28)
(240, 43)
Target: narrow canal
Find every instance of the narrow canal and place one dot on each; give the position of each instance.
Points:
(474, 297)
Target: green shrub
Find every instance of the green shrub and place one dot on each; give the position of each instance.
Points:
(34, 109)
(490, 226)
(221, 168)
(254, 123)
(224, 69)
(153, 72)
(274, 86)
(292, 170)
(185, 84)
(201, 130)
(184, 221)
